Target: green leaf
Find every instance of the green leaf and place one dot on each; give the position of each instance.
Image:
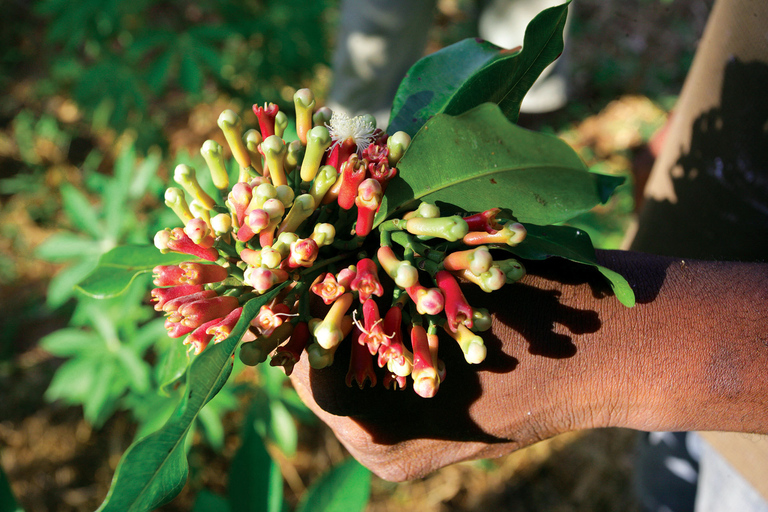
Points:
(480, 160)
(345, 488)
(153, 470)
(69, 342)
(255, 482)
(67, 246)
(118, 268)
(574, 244)
(431, 82)
(506, 80)
(282, 428)
(135, 368)
(62, 286)
(470, 72)
(79, 211)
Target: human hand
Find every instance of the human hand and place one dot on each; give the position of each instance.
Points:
(516, 397)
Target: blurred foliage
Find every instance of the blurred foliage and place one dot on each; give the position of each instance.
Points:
(125, 61)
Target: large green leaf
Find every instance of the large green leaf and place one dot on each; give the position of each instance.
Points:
(153, 470)
(345, 488)
(574, 244)
(470, 72)
(119, 267)
(480, 160)
(506, 80)
(430, 83)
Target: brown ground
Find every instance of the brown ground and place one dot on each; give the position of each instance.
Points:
(56, 461)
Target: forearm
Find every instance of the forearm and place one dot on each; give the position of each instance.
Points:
(691, 355)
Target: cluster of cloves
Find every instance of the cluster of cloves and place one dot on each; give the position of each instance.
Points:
(301, 215)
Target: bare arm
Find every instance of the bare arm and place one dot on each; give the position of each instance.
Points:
(564, 355)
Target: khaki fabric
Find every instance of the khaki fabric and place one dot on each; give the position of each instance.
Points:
(737, 30)
(747, 453)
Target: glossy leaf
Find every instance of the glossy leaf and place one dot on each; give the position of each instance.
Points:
(153, 470)
(574, 244)
(345, 488)
(118, 268)
(480, 160)
(470, 72)
(507, 79)
(431, 82)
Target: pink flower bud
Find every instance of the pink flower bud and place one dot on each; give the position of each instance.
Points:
(346, 276)
(424, 373)
(368, 200)
(373, 336)
(167, 275)
(162, 295)
(197, 230)
(484, 221)
(289, 354)
(194, 314)
(270, 318)
(222, 329)
(352, 175)
(366, 282)
(457, 310)
(392, 349)
(262, 279)
(303, 253)
(393, 381)
(175, 329)
(328, 289)
(266, 116)
(258, 220)
(180, 242)
(199, 338)
(173, 305)
(429, 301)
(360, 366)
(199, 273)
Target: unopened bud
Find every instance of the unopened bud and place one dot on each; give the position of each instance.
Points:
(213, 154)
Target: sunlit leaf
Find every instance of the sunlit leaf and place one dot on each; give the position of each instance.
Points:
(154, 469)
(471, 72)
(120, 266)
(480, 160)
(574, 244)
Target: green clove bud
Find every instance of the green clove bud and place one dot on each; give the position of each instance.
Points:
(252, 139)
(397, 144)
(230, 125)
(281, 123)
(304, 101)
(213, 154)
(318, 140)
(184, 175)
(274, 152)
(175, 200)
